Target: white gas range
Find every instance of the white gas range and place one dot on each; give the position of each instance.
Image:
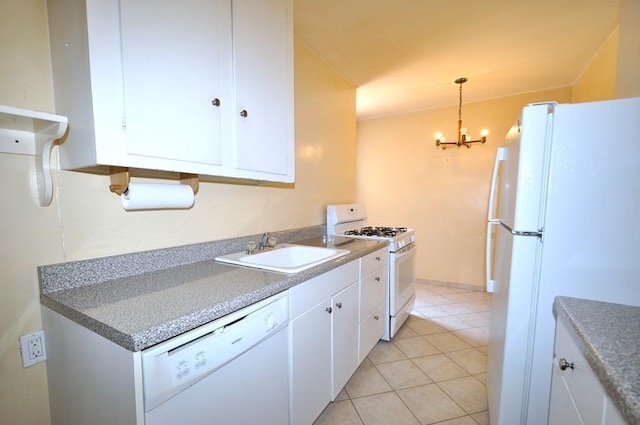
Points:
(349, 220)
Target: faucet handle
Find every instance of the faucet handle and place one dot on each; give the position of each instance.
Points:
(272, 242)
(251, 246)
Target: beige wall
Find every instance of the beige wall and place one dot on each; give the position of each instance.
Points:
(598, 80)
(405, 180)
(627, 81)
(86, 220)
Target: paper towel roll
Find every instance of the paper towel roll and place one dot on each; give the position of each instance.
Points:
(153, 196)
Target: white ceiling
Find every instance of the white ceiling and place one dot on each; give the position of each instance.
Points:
(403, 55)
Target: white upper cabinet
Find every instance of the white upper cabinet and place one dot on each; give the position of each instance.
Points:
(263, 52)
(197, 86)
(175, 62)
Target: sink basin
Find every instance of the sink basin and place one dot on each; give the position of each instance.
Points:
(285, 258)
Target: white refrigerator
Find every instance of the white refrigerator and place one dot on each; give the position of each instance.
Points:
(564, 219)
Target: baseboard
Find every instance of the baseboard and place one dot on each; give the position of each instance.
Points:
(451, 285)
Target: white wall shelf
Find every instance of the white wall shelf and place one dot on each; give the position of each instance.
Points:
(27, 132)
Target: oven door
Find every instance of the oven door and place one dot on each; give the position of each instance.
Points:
(402, 289)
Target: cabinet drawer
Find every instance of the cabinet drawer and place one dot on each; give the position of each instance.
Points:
(371, 330)
(369, 263)
(308, 294)
(373, 291)
(586, 390)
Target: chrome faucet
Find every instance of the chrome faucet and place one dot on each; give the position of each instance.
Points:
(264, 242)
(267, 241)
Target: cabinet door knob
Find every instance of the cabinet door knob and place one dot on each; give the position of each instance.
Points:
(377, 278)
(378, 258)
(244, 113)
(376, 317)
(339, 305)
(564, 364)
(215, 102)
(329, 310)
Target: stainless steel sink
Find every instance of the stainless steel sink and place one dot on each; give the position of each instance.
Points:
(284, 258)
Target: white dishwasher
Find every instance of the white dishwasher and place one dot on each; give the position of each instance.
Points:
(227, 372)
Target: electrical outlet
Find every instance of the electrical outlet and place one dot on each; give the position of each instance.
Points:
(33, 348)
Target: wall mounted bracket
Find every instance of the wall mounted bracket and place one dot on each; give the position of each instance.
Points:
(120, 178)
(27, 132)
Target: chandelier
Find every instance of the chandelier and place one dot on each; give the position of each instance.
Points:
(462, 131)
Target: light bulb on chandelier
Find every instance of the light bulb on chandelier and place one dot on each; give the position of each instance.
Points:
(462, 138)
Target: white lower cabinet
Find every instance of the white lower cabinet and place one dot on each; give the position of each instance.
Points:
(336, 319)
(374, 282)
(577, 397)
(310, 363)
(324, 340)
(91, 380)
(344, 328)
(371, 330)
(329, 335)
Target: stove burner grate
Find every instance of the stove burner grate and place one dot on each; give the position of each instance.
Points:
(387, 232)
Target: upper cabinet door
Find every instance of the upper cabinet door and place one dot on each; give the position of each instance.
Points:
(196, 86)
(176, 66)
(263, 67)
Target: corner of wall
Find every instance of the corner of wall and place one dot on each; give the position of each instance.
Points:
(598, 79)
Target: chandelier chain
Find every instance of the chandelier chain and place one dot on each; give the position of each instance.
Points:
(460, 105)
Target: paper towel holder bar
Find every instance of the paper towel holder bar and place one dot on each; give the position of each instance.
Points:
(120, 178)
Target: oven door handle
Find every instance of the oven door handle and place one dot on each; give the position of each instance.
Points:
(405, 252)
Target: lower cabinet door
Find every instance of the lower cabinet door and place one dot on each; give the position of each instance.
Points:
(562, 408)
(310, 367)
(577, 396)
(345, 336)
(371, 330)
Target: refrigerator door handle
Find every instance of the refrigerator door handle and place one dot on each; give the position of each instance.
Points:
(538, 234)
(500, 156)
(489, 256)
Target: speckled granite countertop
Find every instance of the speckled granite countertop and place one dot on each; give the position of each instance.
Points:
(609, 337)
(138, 300)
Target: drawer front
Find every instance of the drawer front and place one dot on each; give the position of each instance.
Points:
(586, 390)
(373, 291)
(369, 263)
(306, 295)
(371, 330)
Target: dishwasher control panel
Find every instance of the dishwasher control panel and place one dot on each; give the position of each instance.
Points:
(176, 364)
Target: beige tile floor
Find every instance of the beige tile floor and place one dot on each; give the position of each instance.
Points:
(432, 372)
